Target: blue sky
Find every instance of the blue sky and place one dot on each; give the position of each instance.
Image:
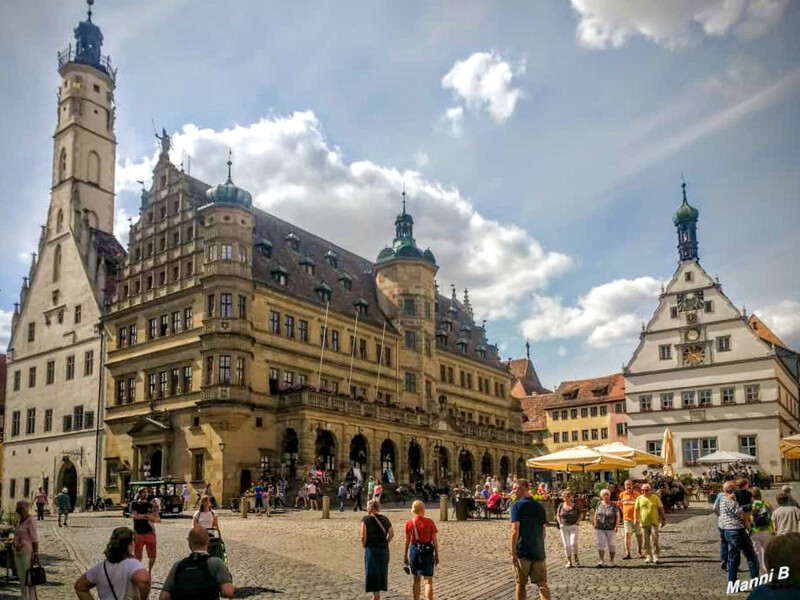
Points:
(541, 143)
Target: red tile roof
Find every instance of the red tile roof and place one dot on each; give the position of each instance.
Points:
(533, 409)
(764, 332)
(524, 372)
(589, 391)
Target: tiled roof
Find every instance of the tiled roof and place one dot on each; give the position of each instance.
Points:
(764, 332)
(112, 254)
(475, 336)
(533, 408)
(522, 369)
(589, 391)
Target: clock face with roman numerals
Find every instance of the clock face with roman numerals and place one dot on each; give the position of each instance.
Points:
(694, 355)
(690, 300)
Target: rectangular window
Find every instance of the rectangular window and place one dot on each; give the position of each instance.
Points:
(26, 487)
(573, 413)
(752, 393)
(175, 327)
(619, 407)
(673, 312)
(584, 412)
(198, 467)
(667, 401)
(603, 433)
(555, 415)
(242, 307)
(302, 379)
(704, 398)
(302, 329)
(288, 326)
(12, 488)
(585, 435)
(210, 305)
(131, 389)
(708, 305)
(411, 383)
(594, 434)
(747, 445)
(687, 398)
(411, 340)
(163, 387)
(50, 376)
(387, 356)
(409, 307)
(226, 251)
(556, 437)
(654, 447)
(31, 332)
(88, 363)
(30, 421)
(163, 330)
(15, 423)
(564, 414)
(697, 447)
(48, 419)
(121, 389)
(224, 369)
(665, 351)
(450, 378)
(622, 429)
(77, 418)
(226, 306)
(32, 377)
(240, 380)
(603, 410)
(593, 411)
(574, 436)
(646, 402)
(275, 322)
(133, 336)
(188, 318)
(727, 395)
(122, 337)
(88, 420)
(187, 379)
(335, 340)
(77, 314)
(288, 378)
(17, 379)
(152, 385)
(469, 381)
(209, 374)
(175, 382)
(362, 349)
(723, 343)
(152, 329)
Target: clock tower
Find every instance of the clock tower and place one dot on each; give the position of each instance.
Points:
(685, 220)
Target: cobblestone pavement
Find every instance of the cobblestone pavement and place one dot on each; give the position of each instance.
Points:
(297, 555)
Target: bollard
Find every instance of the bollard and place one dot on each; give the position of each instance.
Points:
(443, 508)
(244, 504)
(326, 507)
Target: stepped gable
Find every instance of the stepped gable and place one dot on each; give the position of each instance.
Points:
(278, 233)
(588, 391)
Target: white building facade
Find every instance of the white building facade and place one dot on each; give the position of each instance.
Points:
(54, 424)
(702, 371)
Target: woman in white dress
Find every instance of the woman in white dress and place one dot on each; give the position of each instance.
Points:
(205, 517)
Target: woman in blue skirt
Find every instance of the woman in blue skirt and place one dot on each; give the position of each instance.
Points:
(376, 533)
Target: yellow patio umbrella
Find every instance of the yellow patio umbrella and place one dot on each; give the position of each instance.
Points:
(668, 453)
(579, 459)
(640, 457)
(790, 446)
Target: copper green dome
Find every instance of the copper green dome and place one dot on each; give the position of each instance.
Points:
(686, 212)
(229, 193)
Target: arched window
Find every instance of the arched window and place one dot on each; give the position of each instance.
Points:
(62, 165)
(59, 220)
(93, 168)
(57, 263)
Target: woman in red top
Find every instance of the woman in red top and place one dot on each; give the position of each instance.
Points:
(422, 549)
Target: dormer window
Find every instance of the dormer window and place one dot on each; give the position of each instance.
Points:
(600, 392)
(481, 351)
(308, 265)
(324, 293)
(453, 312)
(570, 395)
(466, 331)
(332, 258)
(346, 281)
(441, 338)
(280, 275)
(294, 242)
(447, 324)
(361, 307)
(264, 248)
(462, 344)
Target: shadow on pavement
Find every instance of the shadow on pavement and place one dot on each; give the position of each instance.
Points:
(247, 591)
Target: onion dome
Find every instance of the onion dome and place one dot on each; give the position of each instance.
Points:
(428, 255)
(686, 212)
(229, 193)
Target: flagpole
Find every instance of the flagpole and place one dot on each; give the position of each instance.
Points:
(352, 355)
(323, 343)
(380, 360)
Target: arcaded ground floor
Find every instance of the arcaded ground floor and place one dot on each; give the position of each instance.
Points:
(300, 556)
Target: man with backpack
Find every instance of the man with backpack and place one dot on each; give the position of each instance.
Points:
(198, 576)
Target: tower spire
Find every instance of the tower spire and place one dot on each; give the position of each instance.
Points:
(685, 220)
(89, 10)
(230, 163)
(404, 197)
(527, 349)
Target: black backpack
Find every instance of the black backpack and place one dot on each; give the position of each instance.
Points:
(193, 580)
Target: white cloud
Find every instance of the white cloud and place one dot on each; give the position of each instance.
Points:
(453, 121)
(24, 257)
(122, 225)
(609, 314)
(421, 158)
(5, 328)
(563, 351)
(672, 23)
(484, 82)
(294, 172)
(784, 319)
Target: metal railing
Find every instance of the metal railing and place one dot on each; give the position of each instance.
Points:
(70, 54)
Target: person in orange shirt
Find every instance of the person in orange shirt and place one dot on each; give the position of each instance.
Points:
(627, 500)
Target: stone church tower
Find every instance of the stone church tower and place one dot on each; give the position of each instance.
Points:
(54, 424)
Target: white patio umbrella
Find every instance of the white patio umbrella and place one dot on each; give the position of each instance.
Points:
(725, 456)
(640, 457)
(579, 459)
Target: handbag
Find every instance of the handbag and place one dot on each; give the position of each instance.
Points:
(35, 576)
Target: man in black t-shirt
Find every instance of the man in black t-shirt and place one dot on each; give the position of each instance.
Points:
(528, 527)
(143, 517)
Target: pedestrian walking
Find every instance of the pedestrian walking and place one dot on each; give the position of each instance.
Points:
(63, 505)
(198, 576)
(281, 497)
(312, 495)
(785, 518)
(782, 555)
(606, 523)
(302, 496)
(205, 517)
(649, 513)
(40, 499)
(185, 495)
(787, 489)
(627, 500)
(732, 521)
(376, 533)
(26, 548)
(370, 487)
(421, 553)
(258, 492)
(377, 492)
(723, 541)
(120, 575)
(761, 531)
(144, 515)
(568, 516)
(528, 527)
(357, 497)
(342, 496)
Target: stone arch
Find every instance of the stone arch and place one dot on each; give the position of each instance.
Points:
(290, 450)
(442, 475)
(505, 468)
(62, 165)
(487, 464)
(388, 461)
(325, 450)
(415, 461)
(522, 469)
(466, 468)
(68, 478)
(155, 462)
(359, 454)
(57, 262)
(93, 168)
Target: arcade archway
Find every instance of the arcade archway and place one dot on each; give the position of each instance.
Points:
(415, 470)
(465, 467)
(325, 451)
(68, 478)
(388, 461)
